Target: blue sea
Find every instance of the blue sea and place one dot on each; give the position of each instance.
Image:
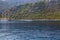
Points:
(29, 30)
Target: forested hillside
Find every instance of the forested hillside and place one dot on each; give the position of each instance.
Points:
(38, 10)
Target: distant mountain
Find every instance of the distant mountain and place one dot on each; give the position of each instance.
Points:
(5, 4)
(28, 11)
(36, 10)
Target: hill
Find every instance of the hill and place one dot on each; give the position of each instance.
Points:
(38, 10)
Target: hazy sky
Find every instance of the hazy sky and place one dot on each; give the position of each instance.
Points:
(18, 2)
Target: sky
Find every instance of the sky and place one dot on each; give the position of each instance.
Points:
(15, 2)
(18, 2)
(23, 0)
(3, 0)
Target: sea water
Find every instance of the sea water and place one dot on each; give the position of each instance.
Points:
(29, 30)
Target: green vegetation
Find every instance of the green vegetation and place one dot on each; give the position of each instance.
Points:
(37, 10)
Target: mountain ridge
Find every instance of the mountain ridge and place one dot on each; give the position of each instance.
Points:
(37, 10)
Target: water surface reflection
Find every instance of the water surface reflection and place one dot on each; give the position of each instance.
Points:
(30, 30)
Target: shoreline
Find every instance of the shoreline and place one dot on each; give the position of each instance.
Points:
(36, 19)
(39, 20)
(30, 19)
